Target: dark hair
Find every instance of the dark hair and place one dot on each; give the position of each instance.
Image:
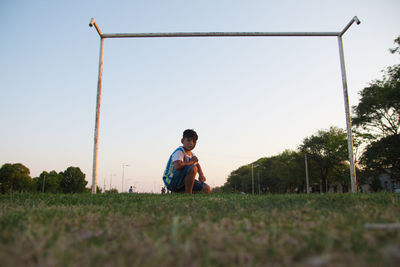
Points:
(190, 134)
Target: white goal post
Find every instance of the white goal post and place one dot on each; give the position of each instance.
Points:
(339, 35)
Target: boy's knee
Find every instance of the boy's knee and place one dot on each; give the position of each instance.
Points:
(194, 169)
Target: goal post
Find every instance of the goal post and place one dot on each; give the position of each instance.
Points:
(339, 35)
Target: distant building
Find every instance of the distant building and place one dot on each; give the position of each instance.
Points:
(388, 184)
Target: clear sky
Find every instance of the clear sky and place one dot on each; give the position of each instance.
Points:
(246, 97)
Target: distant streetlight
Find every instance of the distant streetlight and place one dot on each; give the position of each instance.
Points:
(44, 181)
(252, 177)
(111, 175)
(259, 187)
(307, 179)
(123, 167)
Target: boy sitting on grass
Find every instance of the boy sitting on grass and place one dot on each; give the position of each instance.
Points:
(183, 166)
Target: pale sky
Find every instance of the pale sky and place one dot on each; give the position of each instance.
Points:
(246, 97)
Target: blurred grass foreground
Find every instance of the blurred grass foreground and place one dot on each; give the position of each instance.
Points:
(199, 230)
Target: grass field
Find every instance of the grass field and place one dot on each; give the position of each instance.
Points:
(198, 230)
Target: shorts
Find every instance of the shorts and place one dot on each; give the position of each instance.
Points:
(178, 181)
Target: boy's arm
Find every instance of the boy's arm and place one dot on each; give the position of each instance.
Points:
(202, 178)
(178, 164)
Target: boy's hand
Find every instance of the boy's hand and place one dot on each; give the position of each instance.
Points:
(194, 159)
(202, 178)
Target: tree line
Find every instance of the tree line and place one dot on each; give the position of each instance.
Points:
(285, 173)
(16, 178)
(376, 122)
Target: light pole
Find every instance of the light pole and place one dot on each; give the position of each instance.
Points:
(123, 167)
(307, 180)
(252, 177)
(44, 181)
(259, 185)
(111, 175)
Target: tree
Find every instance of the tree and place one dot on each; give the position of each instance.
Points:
(239, 180)
(376, 184)
(15, 177)
(277, 174)
(48, 182)
(286, 172)
(378, 116)
(73, 180)
(340, 175)
(327, 150)
(378, 112)
(383, 155)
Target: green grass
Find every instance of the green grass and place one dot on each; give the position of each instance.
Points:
(198, 230)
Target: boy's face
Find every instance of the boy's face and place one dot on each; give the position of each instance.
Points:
(188, 143)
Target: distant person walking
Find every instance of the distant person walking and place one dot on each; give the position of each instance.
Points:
(131, 190)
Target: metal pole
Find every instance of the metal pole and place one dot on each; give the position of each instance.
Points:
(44, 181)
(122, 189)
(354, 19)
(307, 182)
(96, 128)
(111, 175)
(252, 179)
(218, 34)
(123, 166)
(348, 118)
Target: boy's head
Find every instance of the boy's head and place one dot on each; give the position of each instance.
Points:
(189, 139)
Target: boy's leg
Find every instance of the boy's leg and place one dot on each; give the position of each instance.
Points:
(178, 180)
(206, 189)
(201, 187)
(189, 179)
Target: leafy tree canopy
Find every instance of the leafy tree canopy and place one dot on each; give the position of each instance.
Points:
(14, 177)
(327, 150)
(378, 117)
(378, 111)
(48, 182)
(327, 154)
(327, 145)
(383, 156)
(278, 174)
(73, 180)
